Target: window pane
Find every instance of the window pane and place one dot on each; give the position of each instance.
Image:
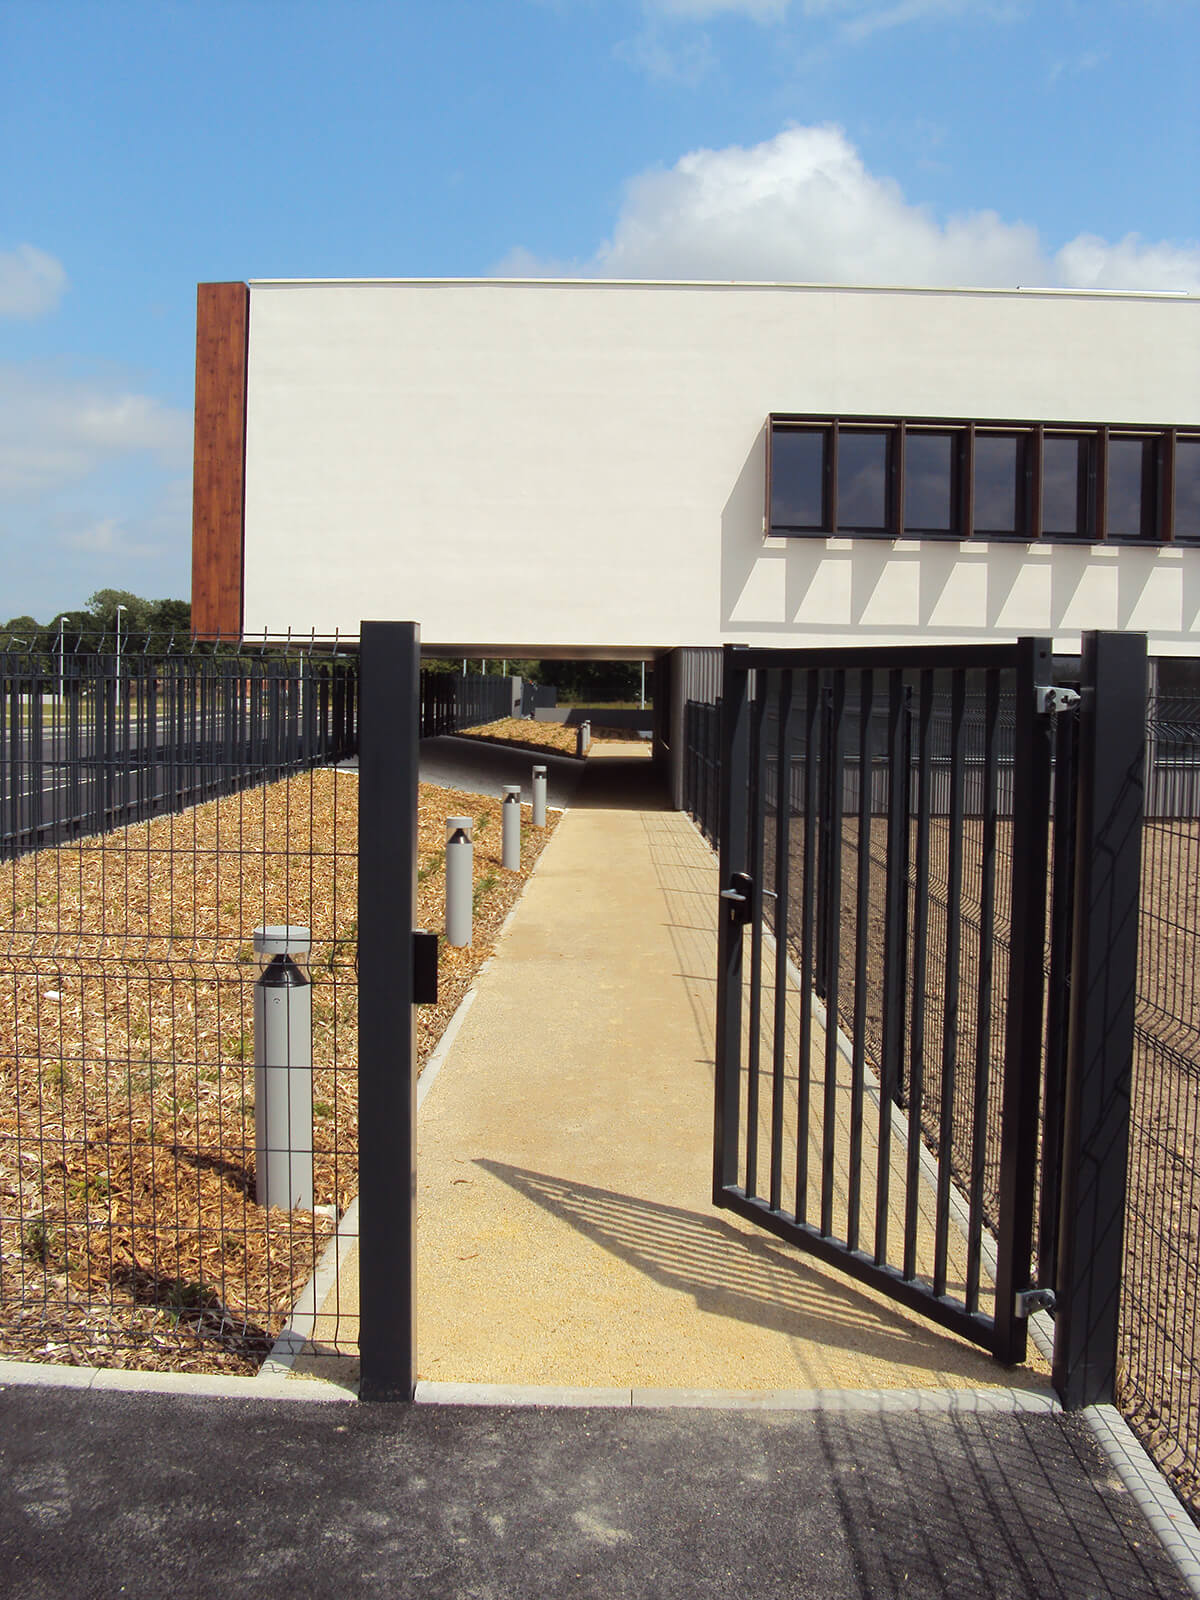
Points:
(1130, 488)
(929, 483)
(862, 482)
(1187, 488)
(996, 459)
(797, 478)
(1064, 492)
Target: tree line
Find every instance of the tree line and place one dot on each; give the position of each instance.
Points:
(143, 625)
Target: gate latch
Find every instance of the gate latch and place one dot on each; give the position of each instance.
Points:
(1052, 698)
(739, 898)
(1030, 1300)
(425, 968)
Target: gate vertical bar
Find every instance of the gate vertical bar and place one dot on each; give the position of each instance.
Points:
(1112, 733)
(387, 856)
(734, 753)
(895, 945)
(1026, 984)
(783, 873)
(1062, 896)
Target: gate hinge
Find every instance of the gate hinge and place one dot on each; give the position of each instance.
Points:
(1051, 699)
(1030, 1300)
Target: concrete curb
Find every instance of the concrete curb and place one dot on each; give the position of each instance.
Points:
(208, 1384)
(1156, 1500)
(940, 1402)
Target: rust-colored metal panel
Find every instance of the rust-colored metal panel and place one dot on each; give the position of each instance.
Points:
(219, 467)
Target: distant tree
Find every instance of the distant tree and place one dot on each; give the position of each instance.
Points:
(592, 682)
(19, 632)
(171, 616)
(104, 605)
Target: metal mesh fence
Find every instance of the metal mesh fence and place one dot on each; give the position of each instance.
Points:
(177, 804)
(1160, 1302)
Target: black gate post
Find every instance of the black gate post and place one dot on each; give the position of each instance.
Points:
(389, 724)
(731, 917)
(1112, 735)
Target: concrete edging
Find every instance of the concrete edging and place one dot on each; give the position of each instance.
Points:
(1155, 1498)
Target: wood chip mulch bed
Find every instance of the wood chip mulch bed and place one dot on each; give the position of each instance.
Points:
(553, 736)
(129, 1230)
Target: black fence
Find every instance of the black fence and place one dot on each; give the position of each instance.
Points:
(94, 741)
(178, 805)
(481, 698)
(1159, 1378)
(1160, 1291)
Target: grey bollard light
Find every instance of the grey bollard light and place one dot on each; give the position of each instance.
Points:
(583, 738)
(283, 1136)
(539, 797)
(510, 838)
(460, 879)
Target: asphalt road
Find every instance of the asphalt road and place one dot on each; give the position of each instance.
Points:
(106, 1494)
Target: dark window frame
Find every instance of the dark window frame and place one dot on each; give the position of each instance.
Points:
(1157, 503)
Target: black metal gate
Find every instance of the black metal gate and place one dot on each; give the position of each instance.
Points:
(898, 877)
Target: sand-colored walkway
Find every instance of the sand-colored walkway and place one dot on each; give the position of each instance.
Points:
(566, 1231)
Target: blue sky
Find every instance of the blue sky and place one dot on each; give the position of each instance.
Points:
(148, 147)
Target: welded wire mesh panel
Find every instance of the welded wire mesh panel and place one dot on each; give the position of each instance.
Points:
(1160, 1302)
(158, 811)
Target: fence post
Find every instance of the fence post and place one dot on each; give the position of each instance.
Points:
(1112, 735)
(389, 723)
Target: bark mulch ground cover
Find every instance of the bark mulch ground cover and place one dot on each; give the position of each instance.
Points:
(554, 736)
(129, 1230)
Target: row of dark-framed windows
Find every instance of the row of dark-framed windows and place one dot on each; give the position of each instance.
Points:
(938, 478)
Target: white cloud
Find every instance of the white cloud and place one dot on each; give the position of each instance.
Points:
(856, 18)
(1091, 263)
(803, 208)
(703, 10)
(669, 59)
(31, 282)
(107, 537)
(55, 430)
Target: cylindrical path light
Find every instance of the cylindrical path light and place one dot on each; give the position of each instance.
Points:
(510, 843)
(539, 797)
(460, 876)
(283, 1138)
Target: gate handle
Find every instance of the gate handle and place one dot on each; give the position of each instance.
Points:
(740, 897)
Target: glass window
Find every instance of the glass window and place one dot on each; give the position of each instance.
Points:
(1064, 487)
(1187, 488)
(997, 460)
(1130, 488)
(929, 483)
(862, 462)
(797, 479)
